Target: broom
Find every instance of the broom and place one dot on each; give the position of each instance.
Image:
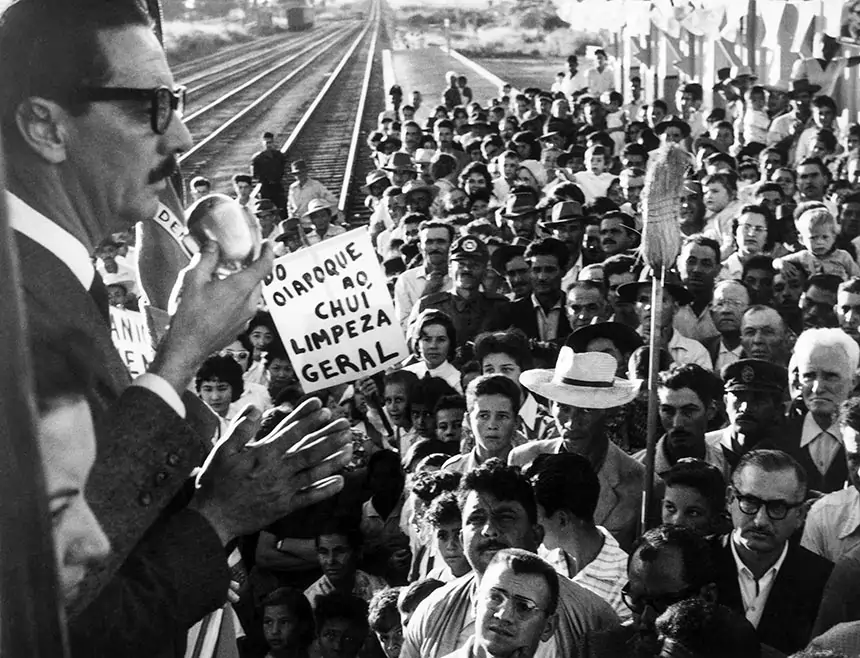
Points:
(661, 242)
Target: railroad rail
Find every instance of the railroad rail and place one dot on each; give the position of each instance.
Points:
(331, 131)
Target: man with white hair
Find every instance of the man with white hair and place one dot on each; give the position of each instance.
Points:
(823, 368)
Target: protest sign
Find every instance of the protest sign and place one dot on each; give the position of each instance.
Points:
(131, 339)
(332, 309)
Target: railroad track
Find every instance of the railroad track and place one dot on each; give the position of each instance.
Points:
(223, 127)
(332, 131)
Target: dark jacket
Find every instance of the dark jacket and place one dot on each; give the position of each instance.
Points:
(166, 568)
(792, 606)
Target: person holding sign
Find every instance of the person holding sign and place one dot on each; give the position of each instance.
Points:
(472, 310)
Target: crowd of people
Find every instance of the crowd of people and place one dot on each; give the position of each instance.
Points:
(483, 498)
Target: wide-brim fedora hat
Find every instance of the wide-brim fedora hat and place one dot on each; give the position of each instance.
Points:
(670, 122)
(623, 337)
(585, 380)
(564, 212)
(671, 282)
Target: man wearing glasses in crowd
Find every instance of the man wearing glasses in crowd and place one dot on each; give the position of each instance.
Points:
(778, 585)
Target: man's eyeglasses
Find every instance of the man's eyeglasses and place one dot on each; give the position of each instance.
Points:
(523, 608)
(163, 101)
(776, 510)
(658, 604)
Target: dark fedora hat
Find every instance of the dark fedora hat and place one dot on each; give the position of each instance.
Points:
(669, 122)
(671, 282)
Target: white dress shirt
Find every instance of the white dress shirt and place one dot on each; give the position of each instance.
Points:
(725, 356)
(823, 444)
(686, 350)
(408, 290)
(74, 255)
(446, 371)
(755, 592)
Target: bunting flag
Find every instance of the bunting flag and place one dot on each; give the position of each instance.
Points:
(642, 55)
(772, 12)
(638, 18)
(664, 18)
(736, 11)
(728, 49)
(806, 13)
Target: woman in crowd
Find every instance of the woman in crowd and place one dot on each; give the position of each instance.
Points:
(219, 383)
(434, 341)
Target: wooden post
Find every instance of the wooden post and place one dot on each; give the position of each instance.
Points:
(752, 34)
(653, 419)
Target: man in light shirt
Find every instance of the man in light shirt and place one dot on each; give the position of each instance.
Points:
(600, 78)
(304, 190)
(776, 584)
(575, 82)
(435, 240)
(731, 300)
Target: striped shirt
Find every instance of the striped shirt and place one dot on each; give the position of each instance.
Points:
(605, 575)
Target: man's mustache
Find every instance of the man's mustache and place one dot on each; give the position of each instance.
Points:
(164, 170)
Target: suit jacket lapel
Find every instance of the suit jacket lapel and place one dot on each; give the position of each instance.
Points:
(609, 477)
(51, 289)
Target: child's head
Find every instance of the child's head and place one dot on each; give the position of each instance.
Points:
(595, 159)
(817, 231)
(338, 546)
(825, 143)
(695, 496)
(219, 383)
(756, 98)
(434, 338)
(449, 418)
(612, 100)
(719, 191)
(444, 517)
(383, 617)
(398, 386)
(288, 621)
(384, 475)
(279, 369)
(422, 402)
(341, 621)
(411, 596)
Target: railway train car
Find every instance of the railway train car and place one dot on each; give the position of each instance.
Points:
(300, 15)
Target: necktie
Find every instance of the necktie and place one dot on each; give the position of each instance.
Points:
(99, 293)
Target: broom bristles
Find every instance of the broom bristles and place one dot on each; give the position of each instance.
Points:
(661, 204)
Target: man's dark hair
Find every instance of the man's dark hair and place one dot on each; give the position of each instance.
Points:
(700, 476)
(659, 102)
(300, 610)
(549, 247)
(494, 385)
(444, 509)
(618, 264)
(565, 481)
(703, 240)
(457, 402)
(429, 486)
(769, 186)
(708, 630)
(512, 342)
(728, 179)
(224, 369)
(345, 527)
(341, 606)
(382, 607)
(771, 461)
(60, 374)
(703, 383)
(824, 101)
(694, 89)
(628, 221)
(412, 595)
(243, 178)
(526, 562)
(435, 223)
(758, 262)
(816, 162)
(696, 555)
(428, 390)
(56, 53)
(443, 163)
(501, 481)
(444, 123)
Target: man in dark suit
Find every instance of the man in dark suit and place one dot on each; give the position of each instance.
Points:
(91, 135)
(777, 584)
(541, 315)
(754, 394)
(823, 368)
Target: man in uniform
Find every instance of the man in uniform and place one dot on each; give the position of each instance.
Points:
(267, 167)
(472, 310)
(754, 390)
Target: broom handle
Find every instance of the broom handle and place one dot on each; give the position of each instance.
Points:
(653, 365)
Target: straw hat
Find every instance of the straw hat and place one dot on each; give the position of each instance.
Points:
(315, 205)
(586, 380)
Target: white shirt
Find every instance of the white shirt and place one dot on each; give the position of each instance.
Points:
(600, 81)
(446, 371)
(686, 350)
(726, 356)
(74, 255)
(572, 275)
(755, 592)
(823, 444)
(548, 323)
(570, 85)
(408, 290)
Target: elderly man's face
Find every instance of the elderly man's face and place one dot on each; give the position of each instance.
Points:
(825, 378)
(120, 163)
(585, 306)
(511, 617)
(763, 335)
(728, 306)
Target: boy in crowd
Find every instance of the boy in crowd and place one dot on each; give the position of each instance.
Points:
(817, 230)
(342, 628)
(444, 518)
(338, 547)
(383, 617)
